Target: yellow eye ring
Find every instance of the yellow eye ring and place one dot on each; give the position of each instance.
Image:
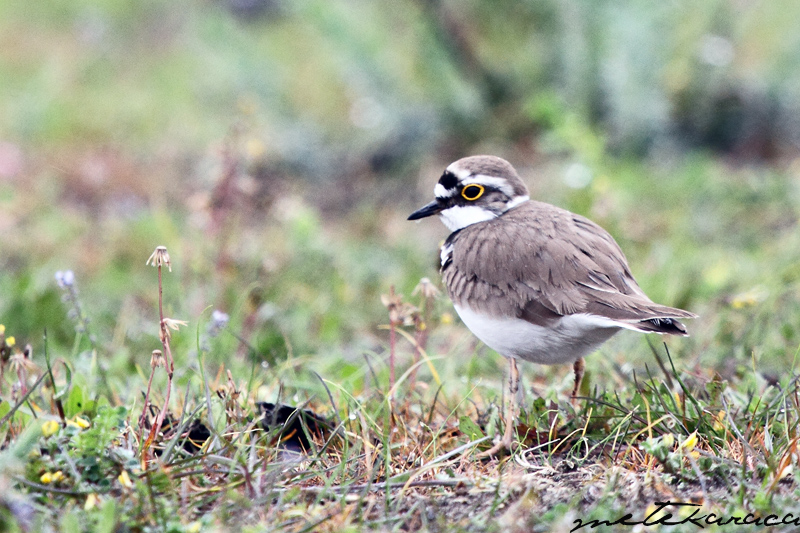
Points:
(473, 191)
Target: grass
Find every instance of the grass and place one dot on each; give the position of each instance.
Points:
(709, 420)
(275, 159)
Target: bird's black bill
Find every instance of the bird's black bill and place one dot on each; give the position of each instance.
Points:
(431, 209)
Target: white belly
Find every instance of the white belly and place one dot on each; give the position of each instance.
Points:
(571, 338)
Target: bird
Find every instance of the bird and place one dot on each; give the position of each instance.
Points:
(531, 280)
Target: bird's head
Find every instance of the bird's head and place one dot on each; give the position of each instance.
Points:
(474, 189)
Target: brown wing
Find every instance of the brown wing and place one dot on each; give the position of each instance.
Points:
(540, 262)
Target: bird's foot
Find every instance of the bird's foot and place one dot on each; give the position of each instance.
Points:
(502, 446)
(506, 444)
(574, 400)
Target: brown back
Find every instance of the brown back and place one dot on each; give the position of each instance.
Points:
(540, 262)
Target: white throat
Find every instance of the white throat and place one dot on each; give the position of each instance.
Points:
(461, 216)
(458, 217)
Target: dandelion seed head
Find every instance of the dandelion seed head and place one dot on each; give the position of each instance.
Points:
(426, 288)
(159, 257)
(156, 359)
(174, 324)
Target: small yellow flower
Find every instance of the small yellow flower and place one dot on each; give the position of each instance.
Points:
(50, 428)
(194, 527)
(91, 502)
(48, 478)
(79, 422)
(678, 399)
(719, 421)
(10, 341)
(690, 442)
(447, 319)
(650, 510)
(125, 480)
(753, 297)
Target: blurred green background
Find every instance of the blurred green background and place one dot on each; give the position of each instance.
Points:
(276, 147)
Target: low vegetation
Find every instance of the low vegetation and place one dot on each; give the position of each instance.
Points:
(308, 311)
(288, 362)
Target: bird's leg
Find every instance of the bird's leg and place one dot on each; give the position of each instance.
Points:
(507, 442)
(578, 369)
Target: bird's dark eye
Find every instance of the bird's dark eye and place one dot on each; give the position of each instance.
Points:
(472, 192)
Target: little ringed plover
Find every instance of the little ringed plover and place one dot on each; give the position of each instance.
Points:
(531, 280)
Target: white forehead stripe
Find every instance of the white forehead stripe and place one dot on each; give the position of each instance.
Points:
(459, 172)
(500, 184)
(441, 192)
